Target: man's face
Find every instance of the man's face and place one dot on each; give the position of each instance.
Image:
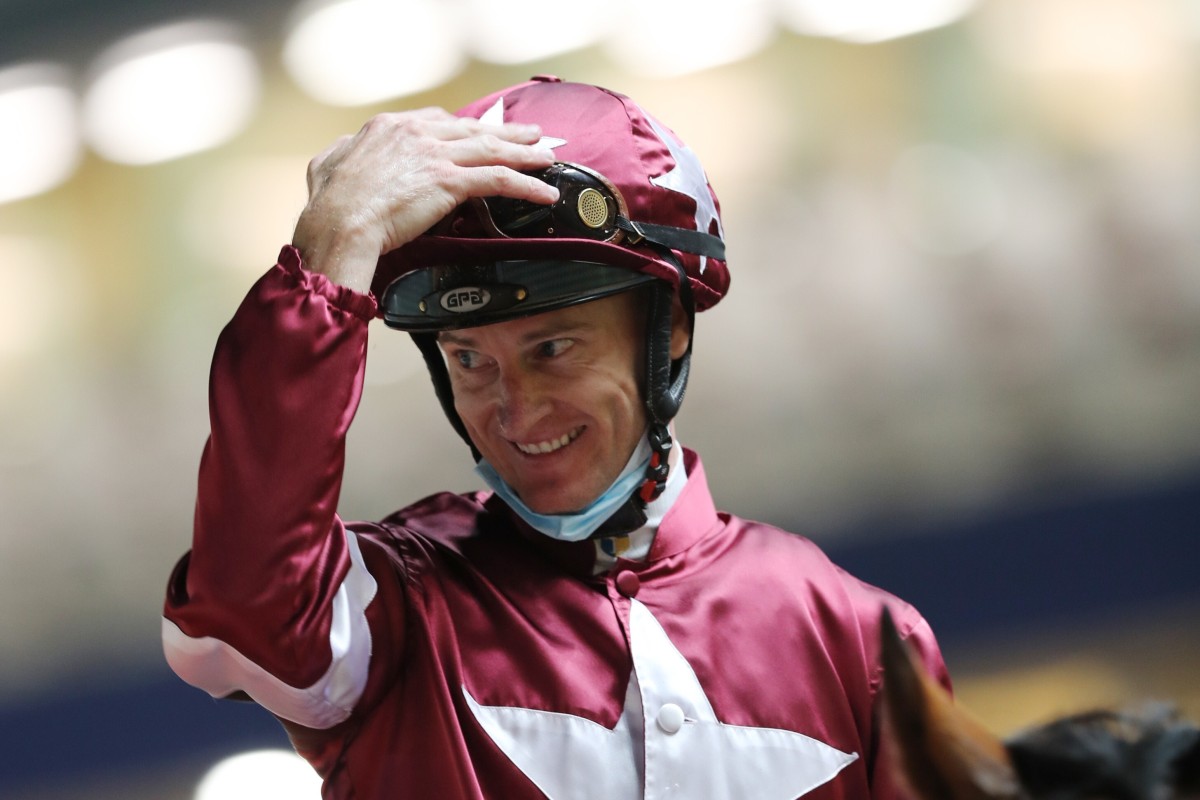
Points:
(552, 401)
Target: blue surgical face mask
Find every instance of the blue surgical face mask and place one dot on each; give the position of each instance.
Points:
(580, 525)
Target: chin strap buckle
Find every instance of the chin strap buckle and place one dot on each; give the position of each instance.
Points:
(656, 470)
(632, 514)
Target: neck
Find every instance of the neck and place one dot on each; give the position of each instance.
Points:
(635, 545)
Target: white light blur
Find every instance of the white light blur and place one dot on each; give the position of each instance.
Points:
(356, 52)
(1108, 74)
(867, 21)
(518, 31)
(170, 92)
(1105, 38)
(668, 38)
(945, 200)
(40, 143)
(261, 775)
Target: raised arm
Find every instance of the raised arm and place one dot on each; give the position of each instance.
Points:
(274, 598)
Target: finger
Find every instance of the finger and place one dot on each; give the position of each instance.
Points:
(429, 112)
(489, 150)
(430, 115)
(468, 127)
(498, 180)
(440, 123)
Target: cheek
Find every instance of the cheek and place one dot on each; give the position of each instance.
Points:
(470, 404)
(624, 399)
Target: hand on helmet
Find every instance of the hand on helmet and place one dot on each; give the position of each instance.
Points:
(376, 190)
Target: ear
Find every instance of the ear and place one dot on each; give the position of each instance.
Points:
(681, 329)
(940, 751)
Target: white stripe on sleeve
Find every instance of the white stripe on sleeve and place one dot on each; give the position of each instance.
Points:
(217, 668)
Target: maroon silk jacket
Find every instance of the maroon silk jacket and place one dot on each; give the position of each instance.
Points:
(451, 652)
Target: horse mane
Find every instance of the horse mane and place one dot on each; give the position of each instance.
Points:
(942, 753)
(1130, 754)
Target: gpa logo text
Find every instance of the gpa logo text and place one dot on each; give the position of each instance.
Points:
(465, 299)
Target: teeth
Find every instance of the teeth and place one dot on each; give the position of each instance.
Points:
(550, 445)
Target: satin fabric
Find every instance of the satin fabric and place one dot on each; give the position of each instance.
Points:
(609, 133)
(469, 597)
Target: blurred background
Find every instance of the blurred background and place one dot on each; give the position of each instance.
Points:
(961, 350)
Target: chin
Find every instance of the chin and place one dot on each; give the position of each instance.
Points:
(558, 502)
(555, 508)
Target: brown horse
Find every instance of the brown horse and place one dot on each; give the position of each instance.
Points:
(944, 754)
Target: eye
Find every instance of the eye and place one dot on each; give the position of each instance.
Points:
(467, 359)
(554, 347)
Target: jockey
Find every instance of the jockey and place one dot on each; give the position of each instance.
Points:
(587, 626)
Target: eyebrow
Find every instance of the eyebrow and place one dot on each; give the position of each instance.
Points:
(450, 337)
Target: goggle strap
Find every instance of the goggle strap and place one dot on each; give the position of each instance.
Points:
(694, 242)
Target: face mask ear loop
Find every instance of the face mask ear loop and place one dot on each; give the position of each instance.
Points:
(427, 344)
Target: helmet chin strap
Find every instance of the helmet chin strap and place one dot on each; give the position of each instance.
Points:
(440, 375)
(666, 384)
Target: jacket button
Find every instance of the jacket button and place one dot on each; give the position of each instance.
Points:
(670, 718)
(628, 583)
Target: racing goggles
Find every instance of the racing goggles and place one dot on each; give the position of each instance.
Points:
(589, 206)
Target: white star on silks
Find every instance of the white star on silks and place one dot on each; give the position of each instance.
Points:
(687, 177)
(495, 116)
(669, 722)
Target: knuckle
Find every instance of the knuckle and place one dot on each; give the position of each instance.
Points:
(447, 176)
(375, 123)
(409, 122)
(389, 124)
(434, 112)
(327, 158)
(498, 177)
(490, 144)
(314, 170)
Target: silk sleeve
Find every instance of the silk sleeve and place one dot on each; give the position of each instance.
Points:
(272, 598)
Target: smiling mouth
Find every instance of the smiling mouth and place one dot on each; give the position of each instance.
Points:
(550, 445)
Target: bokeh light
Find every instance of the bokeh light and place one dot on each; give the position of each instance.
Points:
(355, 52)
(169, 92)
(39, 130)
(260, 775)
(871, 20)
(669, 38)
(519, 31)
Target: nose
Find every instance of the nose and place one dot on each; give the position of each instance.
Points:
(522, 401)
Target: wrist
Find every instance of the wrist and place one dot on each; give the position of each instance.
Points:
(344, 254)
